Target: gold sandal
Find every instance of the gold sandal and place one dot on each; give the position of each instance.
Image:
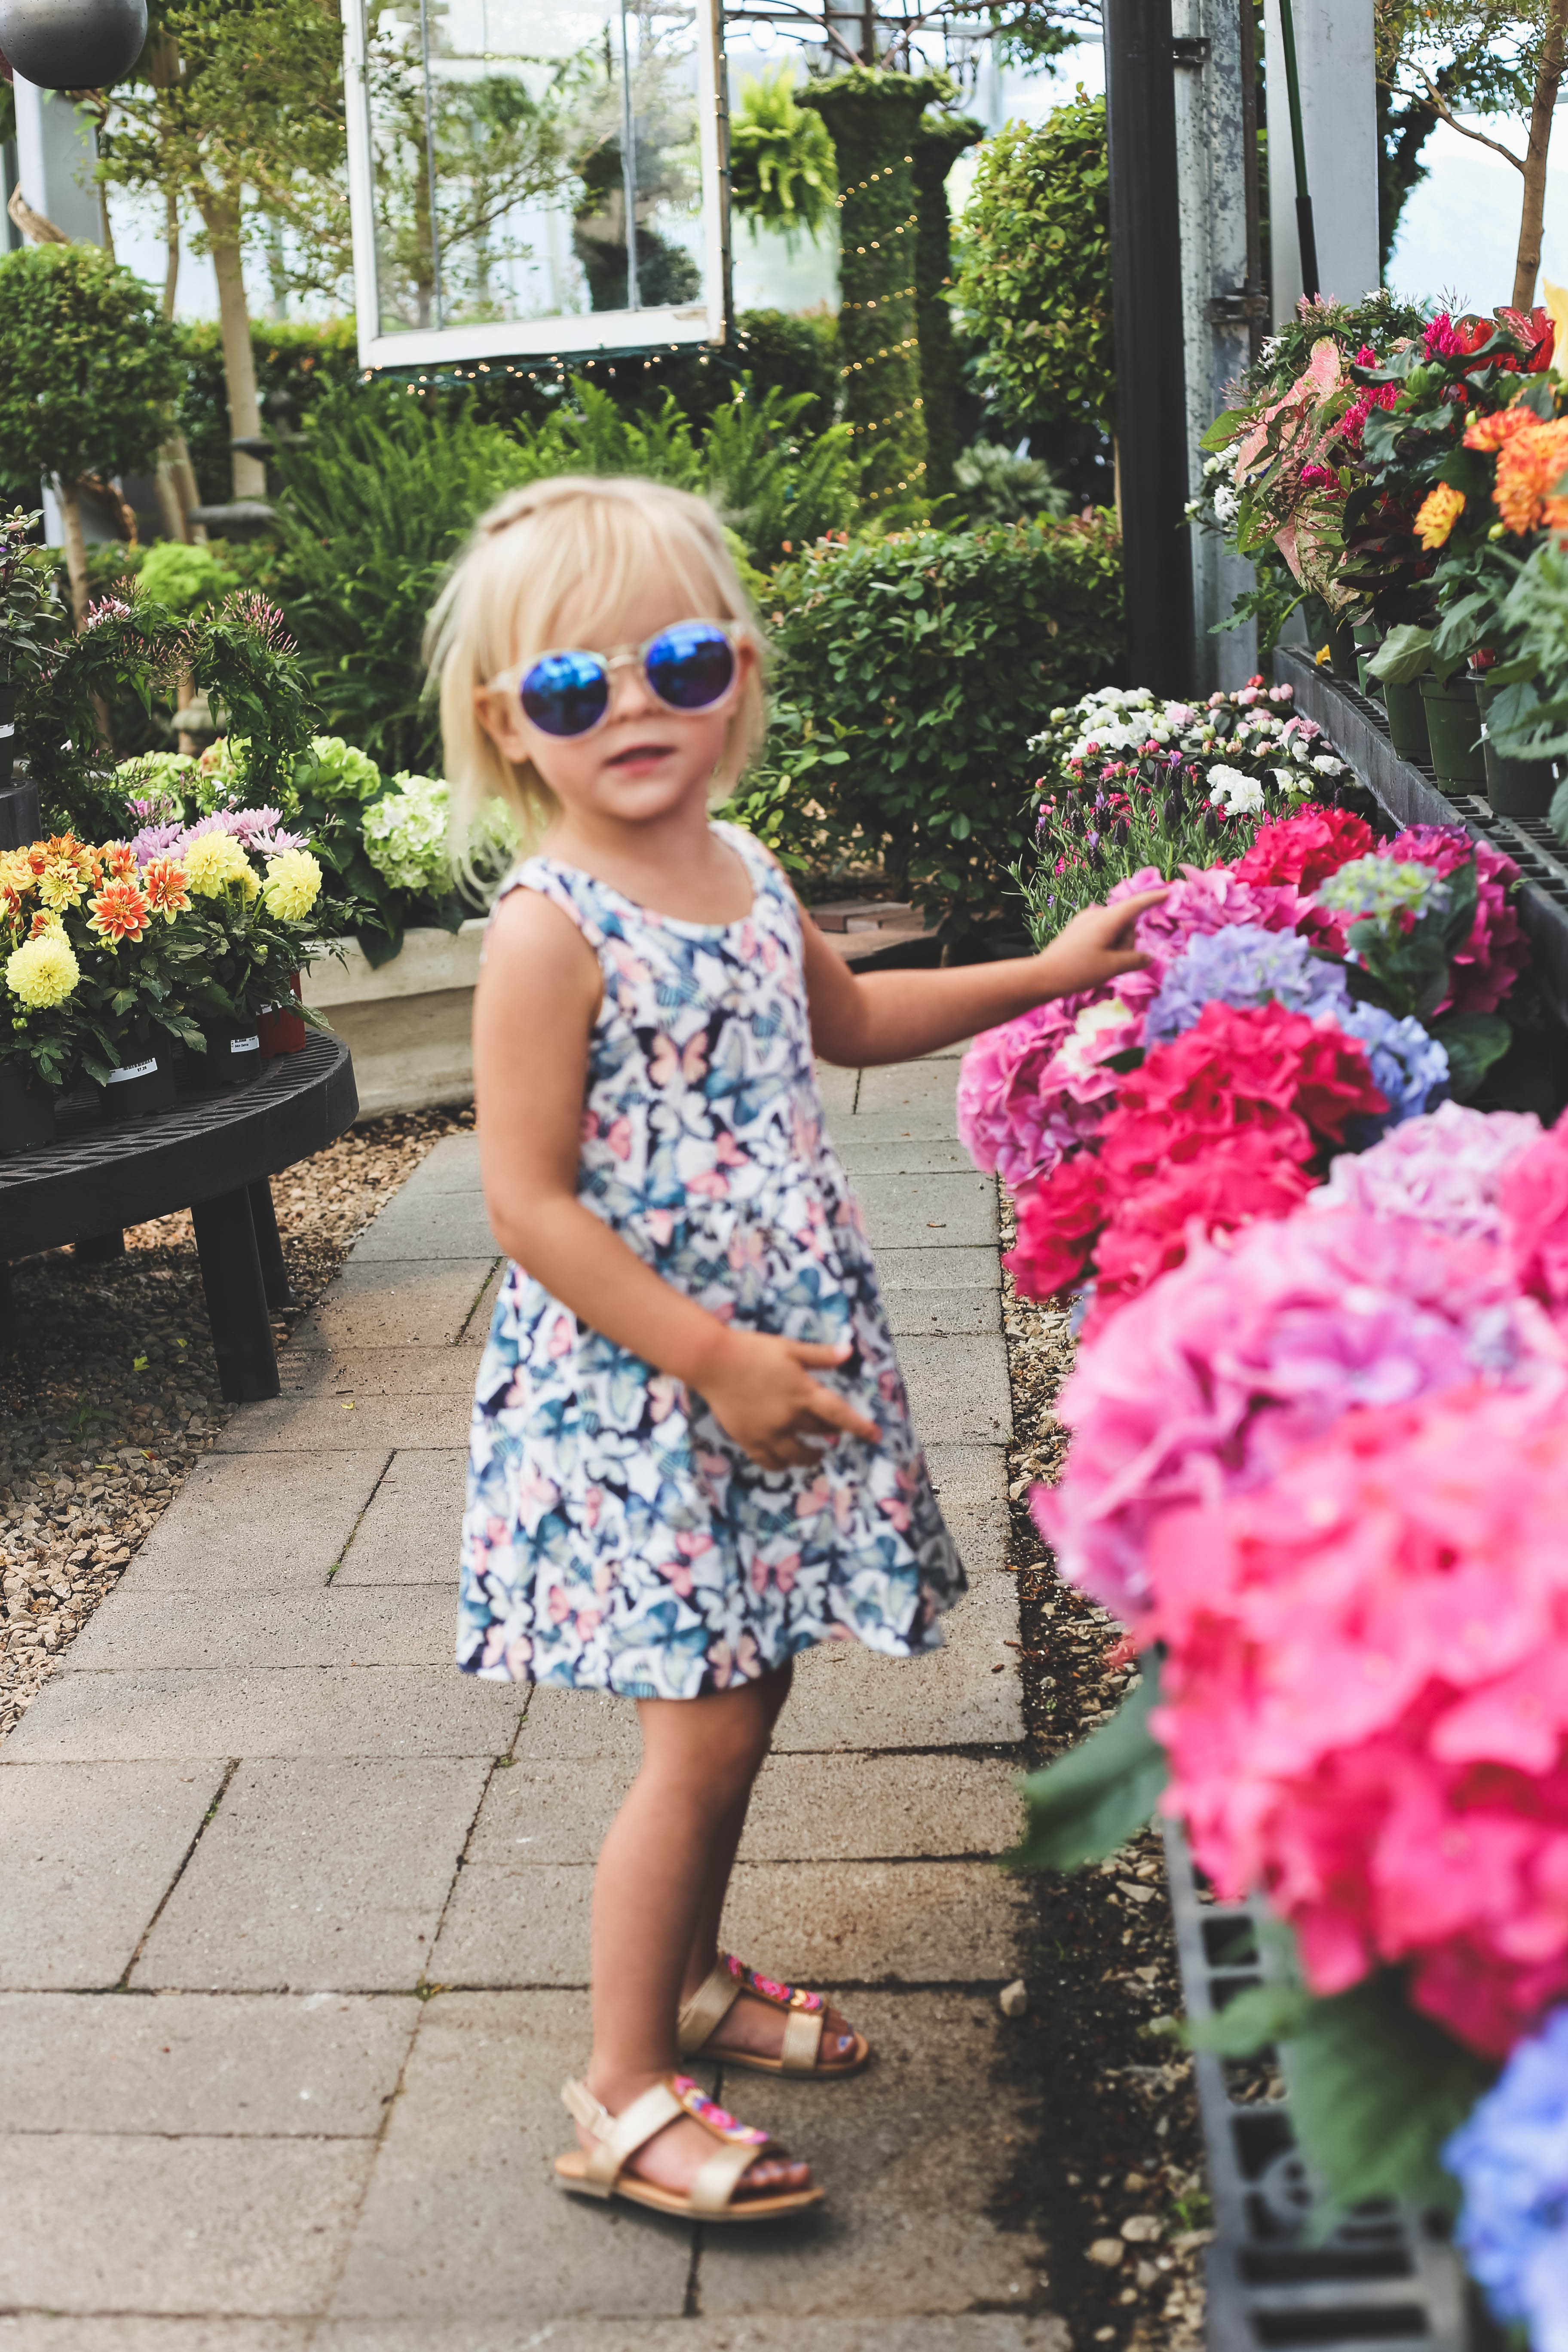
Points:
(711, 2004)
(598, 2171)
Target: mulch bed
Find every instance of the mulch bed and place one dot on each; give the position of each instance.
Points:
(1114, 2180)
(111, 1392)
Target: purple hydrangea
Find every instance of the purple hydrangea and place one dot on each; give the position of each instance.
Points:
(1510, 2158)
(1408, 1066)
(1242, 965)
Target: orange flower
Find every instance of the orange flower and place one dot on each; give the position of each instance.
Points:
(120, 860)
(163, 881)
(119, 911)
(1440, 511)
(1492, 431)
(1530, 465)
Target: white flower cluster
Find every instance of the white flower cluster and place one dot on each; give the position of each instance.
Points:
(1236, 795)
(405, 834)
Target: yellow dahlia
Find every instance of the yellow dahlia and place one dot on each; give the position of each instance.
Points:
(293, 885)
(41, 972)
(213, 862)
(46, 926)
(1440, 509)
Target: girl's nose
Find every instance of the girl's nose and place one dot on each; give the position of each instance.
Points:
(630, 694)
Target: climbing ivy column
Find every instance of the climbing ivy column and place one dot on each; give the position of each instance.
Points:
(873, 119)
(940, 140)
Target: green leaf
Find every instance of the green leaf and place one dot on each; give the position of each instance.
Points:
(1092, 1800)
(1403, 655)
(1473, 1042)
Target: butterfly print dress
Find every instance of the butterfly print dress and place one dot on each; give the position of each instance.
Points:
(616, 1537)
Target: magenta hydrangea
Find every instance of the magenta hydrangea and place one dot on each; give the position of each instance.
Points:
(1038, 1088)
(1496, 952)
(1259, 1342)
(1442, 1170)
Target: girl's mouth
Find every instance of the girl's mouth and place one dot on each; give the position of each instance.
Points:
(638, 754)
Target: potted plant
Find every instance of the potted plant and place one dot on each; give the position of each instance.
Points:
(251, 926)
(49, 1026)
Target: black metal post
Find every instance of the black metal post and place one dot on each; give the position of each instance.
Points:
(237, 1298)
(1150, 400)
(1306, 233)
(270, 1247)
(98, 1249)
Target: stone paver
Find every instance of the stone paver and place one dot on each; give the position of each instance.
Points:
(276, 1812)
(87, 1854)
(322, 2067)
(318, 1876)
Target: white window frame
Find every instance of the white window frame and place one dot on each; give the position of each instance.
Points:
(565, 336)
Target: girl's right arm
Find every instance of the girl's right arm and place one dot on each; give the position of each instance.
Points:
(534, 1011)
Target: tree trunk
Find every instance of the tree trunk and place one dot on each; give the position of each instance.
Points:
(220, 215)
(69, 495)
(1527, 263)
(171, 248)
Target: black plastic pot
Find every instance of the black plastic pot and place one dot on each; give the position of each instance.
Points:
(143, 1084)
(26, 1109)
(233, 1056)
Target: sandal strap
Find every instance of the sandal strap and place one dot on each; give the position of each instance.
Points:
(617, 2138)
(802, 2041)
(717, 2181)
(704, 2013)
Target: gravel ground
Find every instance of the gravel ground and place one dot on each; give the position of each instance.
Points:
(112, 1392)
(1115, 2180)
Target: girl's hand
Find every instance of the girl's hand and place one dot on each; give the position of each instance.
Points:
(759, 1391)
(1095, 947)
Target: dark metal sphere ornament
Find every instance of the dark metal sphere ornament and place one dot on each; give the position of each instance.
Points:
(72, 44)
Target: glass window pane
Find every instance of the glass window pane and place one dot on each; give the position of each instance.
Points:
(533, 160)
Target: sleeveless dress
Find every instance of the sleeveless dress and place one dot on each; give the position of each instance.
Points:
(616, 1537)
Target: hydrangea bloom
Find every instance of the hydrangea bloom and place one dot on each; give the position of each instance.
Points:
(1494, 955)
(1205, 898)
(1306, 848)
(1383, 887)
(1254, 1345)
(1242, 964)
(1510, 2158)
(1533, 1198)
(1443, 1170)
(1000, 1119)
(1364, 1705)
(1408, 1064)
(405, 834)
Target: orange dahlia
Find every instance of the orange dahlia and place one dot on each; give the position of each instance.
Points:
(163, 881)
(1492, 431)
(1531, 460)
(120, 860)
(119, 911)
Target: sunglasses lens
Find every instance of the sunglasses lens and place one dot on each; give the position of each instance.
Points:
(566, 693)
(690, 666)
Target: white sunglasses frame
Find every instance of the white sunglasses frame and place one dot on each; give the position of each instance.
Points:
(509, 681)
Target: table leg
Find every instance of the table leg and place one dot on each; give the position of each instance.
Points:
(270, 1247)
(237, 1298)
(100, 1248)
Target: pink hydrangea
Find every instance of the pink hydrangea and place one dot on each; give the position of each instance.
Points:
(1365, 1700)
(1263, 1340)
(1496, 952)
(1443, 1169)
(1533, 1197)
(1205, 898)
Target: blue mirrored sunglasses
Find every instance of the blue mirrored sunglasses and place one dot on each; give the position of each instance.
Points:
(689, 668)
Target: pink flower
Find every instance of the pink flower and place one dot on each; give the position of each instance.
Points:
(1365, 1702)
(1534, 1199)
(1261, 1341)
(1444, 1169)
(1496, 952)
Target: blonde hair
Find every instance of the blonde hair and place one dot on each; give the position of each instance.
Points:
(581, 539)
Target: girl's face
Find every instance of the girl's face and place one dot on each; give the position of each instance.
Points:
(643, 760)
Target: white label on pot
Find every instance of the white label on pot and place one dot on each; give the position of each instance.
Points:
(245, 1044)
(8, 729)
(133, 1070)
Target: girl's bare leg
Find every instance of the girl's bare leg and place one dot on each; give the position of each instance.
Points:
(699, 1758)
(752, 2025)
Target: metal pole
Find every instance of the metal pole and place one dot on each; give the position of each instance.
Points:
(1150, 400)
(430, 163)
(629, 168)
(1306, 237)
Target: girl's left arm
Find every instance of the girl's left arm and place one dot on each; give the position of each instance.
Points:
(892, 1016)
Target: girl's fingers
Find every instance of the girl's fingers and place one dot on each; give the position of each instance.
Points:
(839, 1413)
(814, 1353)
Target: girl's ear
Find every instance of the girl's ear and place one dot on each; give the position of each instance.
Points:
(503, 722)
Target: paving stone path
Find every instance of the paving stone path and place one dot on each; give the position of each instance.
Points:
(294, 1920)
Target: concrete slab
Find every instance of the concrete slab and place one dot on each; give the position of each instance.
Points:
(925, 1270)
(804, 1807)
(837, 1089)
(314, 1876)
(87, 1854)
(410, 1534)
(451, 1166)
(376, 1711)
(978, 2331)
(322, 2067)
(49, 2331)
(970, 1484)
(909, 1086)
(966, 1695)
(317, 1424)
(254, 2228)
(396, 1305)
(916, 2163)
(477, 1329)
(593, 1727)
(378, 1371)
(901, 1155)
(958, 1387)
(260, 1524)
(427, 1226)
(926, 1120)
(928, 1211)
(811, 1923)
(921, 1313)
(463, 2220)
(412, 1627)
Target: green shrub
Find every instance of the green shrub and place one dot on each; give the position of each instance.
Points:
(184, 578)
(298, 362)
(910, 674)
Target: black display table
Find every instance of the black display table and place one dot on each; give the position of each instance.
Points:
(212, 1154)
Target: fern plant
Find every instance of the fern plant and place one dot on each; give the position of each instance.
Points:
(782, 170)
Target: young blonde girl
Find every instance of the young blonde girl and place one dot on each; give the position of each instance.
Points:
(691, 1451)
